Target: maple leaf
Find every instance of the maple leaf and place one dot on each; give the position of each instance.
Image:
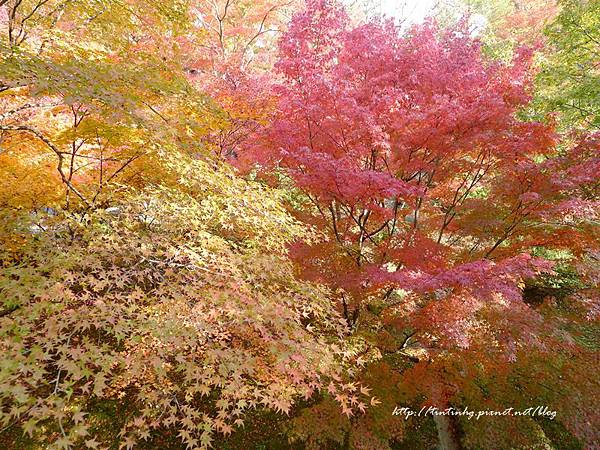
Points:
(239, 422)
(375, 401)
(30, 426)
(92, 443)
(79, 416)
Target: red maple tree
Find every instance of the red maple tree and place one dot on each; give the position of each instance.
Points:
(437, 207)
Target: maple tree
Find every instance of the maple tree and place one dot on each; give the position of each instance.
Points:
(169, 306)
(232, 58)
(435, 205)
(137, 270)
(568, 81)
(401, 235)
(507, 22)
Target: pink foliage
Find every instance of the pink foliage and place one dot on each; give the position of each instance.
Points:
(428, 193)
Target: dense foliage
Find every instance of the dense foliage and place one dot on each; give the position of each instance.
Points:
(434, 201)
(221, 212)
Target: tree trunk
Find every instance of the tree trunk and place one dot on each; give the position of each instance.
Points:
(447, 433)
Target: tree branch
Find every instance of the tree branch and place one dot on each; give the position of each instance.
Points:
(55, 149)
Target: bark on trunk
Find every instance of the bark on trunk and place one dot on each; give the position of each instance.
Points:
(447, 433)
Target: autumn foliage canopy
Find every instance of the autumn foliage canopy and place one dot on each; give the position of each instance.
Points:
(216, 214)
